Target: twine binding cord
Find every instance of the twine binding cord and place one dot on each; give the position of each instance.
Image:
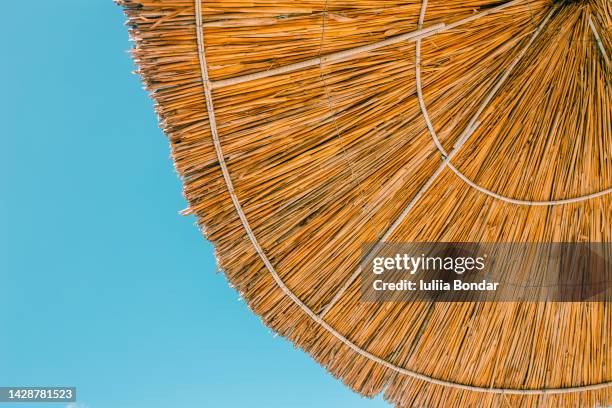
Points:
(444, 154)
(245, 223)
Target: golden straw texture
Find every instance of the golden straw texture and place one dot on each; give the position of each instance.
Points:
(299, 168)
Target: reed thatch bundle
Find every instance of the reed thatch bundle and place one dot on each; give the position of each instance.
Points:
(305, 128)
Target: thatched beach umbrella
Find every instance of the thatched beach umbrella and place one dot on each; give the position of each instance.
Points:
(303, 129)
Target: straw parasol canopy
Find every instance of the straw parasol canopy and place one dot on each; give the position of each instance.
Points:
(303, 129)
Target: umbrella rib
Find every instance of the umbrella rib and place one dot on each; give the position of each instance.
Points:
(465, 135)
(598, 41)
(461, 175)
(353, 52)
(309, 312)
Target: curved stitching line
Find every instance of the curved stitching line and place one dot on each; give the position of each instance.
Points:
(463, 138)
(459, 174)
(219, 152)
(333, 113)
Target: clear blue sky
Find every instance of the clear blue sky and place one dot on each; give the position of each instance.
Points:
(102, 284)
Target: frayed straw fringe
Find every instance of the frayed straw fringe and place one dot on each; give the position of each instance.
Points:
(266, 172)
